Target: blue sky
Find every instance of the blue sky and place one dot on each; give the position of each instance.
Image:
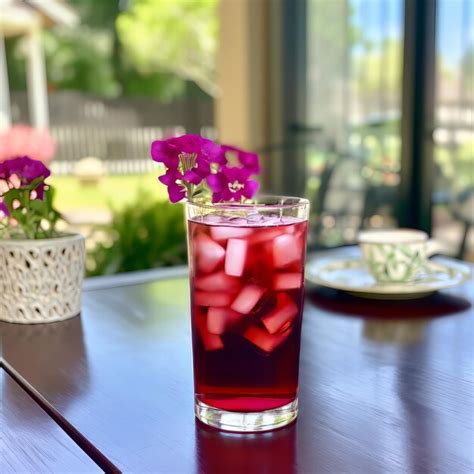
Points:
(379, 19)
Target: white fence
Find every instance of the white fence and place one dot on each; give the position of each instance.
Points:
(123, 150)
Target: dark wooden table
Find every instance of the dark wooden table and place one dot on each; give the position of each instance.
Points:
(385, 387)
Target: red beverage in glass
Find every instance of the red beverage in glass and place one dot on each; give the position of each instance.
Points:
(247, 289)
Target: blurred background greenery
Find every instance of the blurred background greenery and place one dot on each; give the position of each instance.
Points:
(114, 53)
(132, 71)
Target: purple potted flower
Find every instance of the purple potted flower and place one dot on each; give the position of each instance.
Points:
(42, 268)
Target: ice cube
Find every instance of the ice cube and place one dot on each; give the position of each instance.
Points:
(213, 219)
(247, 299)
(285, 311)
(264, 235)
(203, 298)
(211, 342)
(287, 281)
(255, 218)
(267, 342)
(229, 232)
(209, 253)
(287, 248)
(218, 281)
(236, 254)
(221, 319)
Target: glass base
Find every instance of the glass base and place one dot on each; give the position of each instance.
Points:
(246, 422)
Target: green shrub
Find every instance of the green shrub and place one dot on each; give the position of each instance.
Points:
(144, 234)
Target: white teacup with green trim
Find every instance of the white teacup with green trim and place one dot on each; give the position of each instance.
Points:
(398, 255)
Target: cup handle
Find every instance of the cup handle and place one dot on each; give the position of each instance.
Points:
(435, 247)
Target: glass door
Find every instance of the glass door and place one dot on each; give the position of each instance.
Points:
(354, 86)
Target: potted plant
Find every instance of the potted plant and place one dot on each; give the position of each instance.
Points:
(41, 269)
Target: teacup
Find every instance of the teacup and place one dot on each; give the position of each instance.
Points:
(396, 255)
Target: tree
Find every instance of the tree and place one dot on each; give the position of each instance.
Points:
(379, 72)
(178, 37)
(90, 58)
(467, 67)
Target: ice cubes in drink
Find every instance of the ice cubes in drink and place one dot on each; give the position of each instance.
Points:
(287, 281)
(247, 299)
(211, 342)
(247, 285)
(285, 311)
(208, 252)
(220, 320)
(205, 298)
(218, 281)
(263, 340)
(287, 248)
(235, 256)
(229, 232)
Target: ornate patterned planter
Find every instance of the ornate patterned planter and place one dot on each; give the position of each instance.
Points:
(41, 280)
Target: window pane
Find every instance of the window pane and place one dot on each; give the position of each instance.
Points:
(354, 67)
(453, 197)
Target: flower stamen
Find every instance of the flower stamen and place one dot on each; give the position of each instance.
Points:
(235, 187)
(187, 161)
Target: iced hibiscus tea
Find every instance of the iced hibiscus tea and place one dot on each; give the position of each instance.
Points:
(247, 299)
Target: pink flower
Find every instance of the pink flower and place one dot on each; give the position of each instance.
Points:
(231, 184)
(22, 140)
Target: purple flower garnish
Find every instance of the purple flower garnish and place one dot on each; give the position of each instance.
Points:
(231, 184)
(192, 161)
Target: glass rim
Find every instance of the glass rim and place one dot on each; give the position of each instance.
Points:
(295, 203)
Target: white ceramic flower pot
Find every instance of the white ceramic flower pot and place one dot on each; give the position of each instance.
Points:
(41, 280)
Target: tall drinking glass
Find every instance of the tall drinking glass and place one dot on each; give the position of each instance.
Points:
(246, 266)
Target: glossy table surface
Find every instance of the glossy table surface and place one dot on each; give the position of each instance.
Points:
(31, 441)
(385, 386)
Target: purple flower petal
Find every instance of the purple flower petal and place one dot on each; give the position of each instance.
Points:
(3, 208)
(247, 159)
(40, 192)
(22, 171)
(216, 197)
(170, 177)
(250, 188)
(176, 192)
(217, 182)
(3, 170)
(25, 168)
(163, 153)
(192, 176)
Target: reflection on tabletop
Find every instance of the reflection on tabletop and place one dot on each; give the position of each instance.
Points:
(396, 332)
(39, 346)
(434, 306)
(220, 452)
